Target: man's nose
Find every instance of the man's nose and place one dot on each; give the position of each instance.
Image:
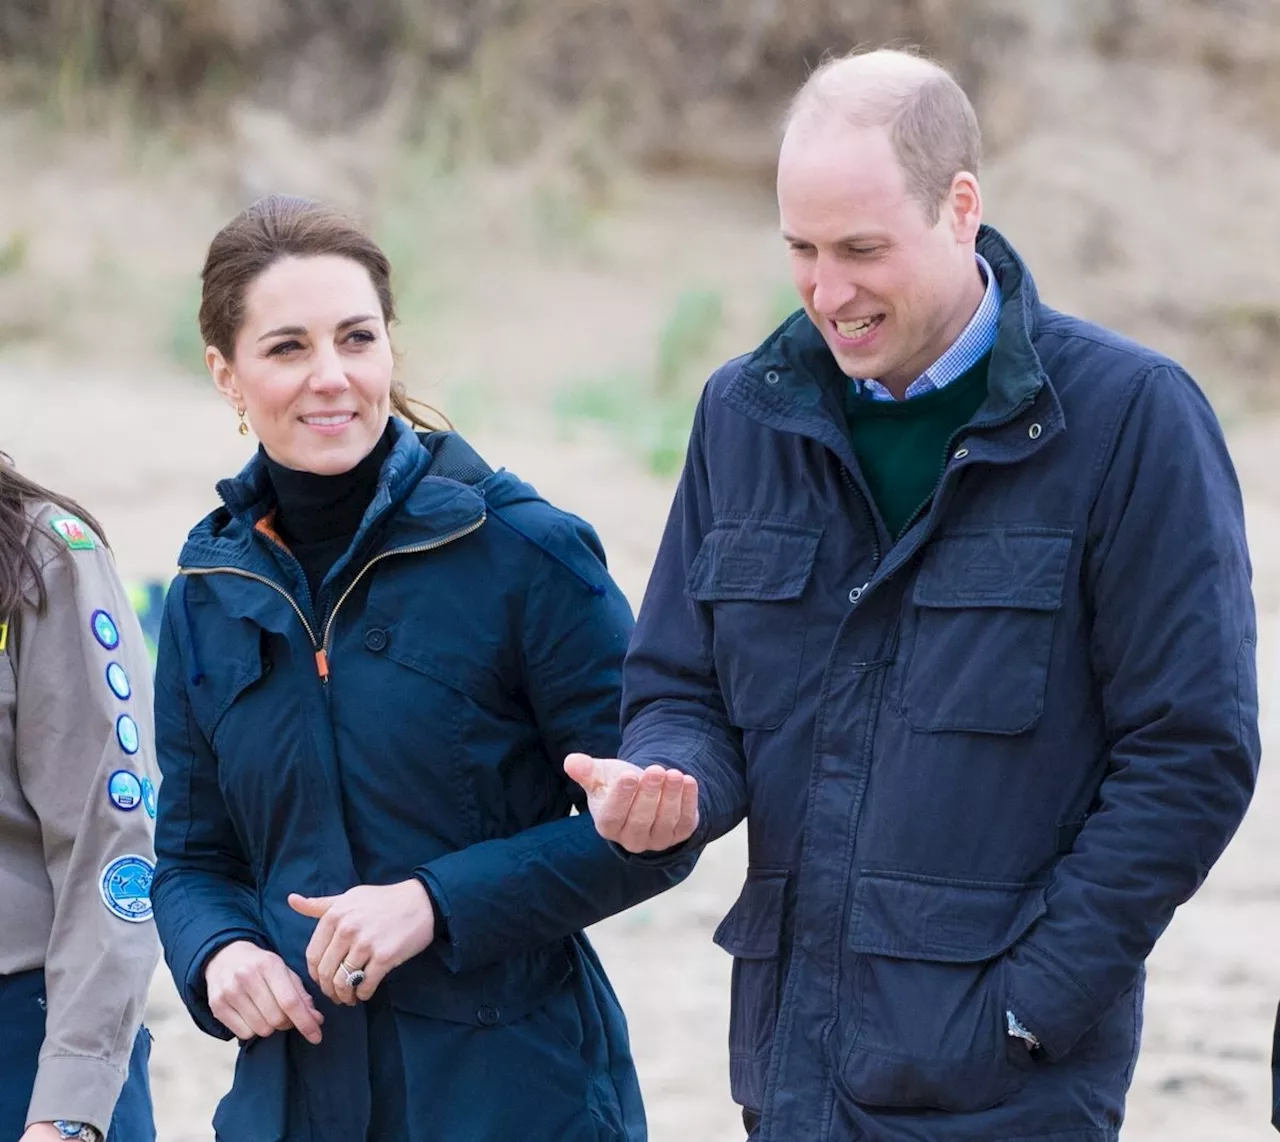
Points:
(832, 289)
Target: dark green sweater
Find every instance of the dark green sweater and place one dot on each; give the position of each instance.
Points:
(902, 445)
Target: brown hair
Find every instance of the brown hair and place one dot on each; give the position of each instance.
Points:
(931, 123)
(282, 226)
(19, 570)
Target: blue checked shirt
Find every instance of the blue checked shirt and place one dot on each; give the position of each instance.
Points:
(966, 350)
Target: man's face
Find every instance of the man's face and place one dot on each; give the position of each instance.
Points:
(889, 290)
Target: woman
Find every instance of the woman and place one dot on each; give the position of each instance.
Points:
(77, 797)
(375, 657)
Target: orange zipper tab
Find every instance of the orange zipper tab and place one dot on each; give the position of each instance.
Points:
(322, 665)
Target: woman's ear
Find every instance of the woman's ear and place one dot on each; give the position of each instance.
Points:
(224, 377)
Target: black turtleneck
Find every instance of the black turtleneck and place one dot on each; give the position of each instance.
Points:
(318, 516)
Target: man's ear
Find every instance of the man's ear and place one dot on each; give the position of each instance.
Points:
(964, 204)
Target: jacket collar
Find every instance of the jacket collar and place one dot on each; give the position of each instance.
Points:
(426, 508)
(791, 382)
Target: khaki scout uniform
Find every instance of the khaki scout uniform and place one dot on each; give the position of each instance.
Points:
(77, 800)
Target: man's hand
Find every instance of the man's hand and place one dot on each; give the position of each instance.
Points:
(370, 928)
(253, 992)
(642, 810)
(41, 1132)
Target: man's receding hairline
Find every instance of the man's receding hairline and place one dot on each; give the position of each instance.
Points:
(863, 90)
(930, 122)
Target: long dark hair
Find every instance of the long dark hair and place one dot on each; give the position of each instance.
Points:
(19, 571)
(281, 226)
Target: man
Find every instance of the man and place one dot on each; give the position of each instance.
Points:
(954, 607)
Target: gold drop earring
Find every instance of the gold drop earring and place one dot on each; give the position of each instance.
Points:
(244, 428)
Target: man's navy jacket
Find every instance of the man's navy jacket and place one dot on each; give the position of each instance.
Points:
(981, 762)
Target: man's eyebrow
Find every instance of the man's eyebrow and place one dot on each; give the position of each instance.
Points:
(868, 238)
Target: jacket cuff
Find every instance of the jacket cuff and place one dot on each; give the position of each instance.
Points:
(76, 1088)
(1049, 1002)
(442, 945)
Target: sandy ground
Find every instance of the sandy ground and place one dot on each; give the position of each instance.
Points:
(143, 453)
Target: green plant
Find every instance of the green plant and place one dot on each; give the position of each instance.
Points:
(13, 253)
(652, 410)
(186, 345)
(782, 305)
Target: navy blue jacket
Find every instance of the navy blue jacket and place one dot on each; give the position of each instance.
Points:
(982, 762)
(410, 720)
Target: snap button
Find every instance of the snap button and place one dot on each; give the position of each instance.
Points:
(960, 454)
(772, 377)
(1034, 431)
(488, 1016)
(375, 638)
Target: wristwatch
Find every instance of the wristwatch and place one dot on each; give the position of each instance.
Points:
(79, 1130)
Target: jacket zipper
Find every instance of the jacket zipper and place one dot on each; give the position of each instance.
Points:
(259, 579)
(321, 645)
(848, 480)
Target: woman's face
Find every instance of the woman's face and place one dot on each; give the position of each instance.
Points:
(312, 366)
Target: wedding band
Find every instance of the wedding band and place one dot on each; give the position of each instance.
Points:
(355, 976)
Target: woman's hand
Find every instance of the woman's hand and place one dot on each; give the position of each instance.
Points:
(41, 1132)
(253, 992)
(371, 928)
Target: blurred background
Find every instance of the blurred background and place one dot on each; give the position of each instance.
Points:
(576, 196)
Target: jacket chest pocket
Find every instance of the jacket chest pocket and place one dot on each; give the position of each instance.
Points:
(753, 575)
(985, 605)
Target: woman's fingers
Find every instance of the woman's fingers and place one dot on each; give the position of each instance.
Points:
(254, 993)
(293, 1000)
(226, 1014)
(369, 929)
(331, 974)
(317, 946)
(259, 993)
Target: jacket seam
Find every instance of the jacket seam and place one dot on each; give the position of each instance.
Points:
(1107, 453)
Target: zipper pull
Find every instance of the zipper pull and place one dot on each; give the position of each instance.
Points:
(322, 665)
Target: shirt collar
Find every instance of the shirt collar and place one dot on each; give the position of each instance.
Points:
(974, 343)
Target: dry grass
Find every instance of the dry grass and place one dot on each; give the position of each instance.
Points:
(658, 76)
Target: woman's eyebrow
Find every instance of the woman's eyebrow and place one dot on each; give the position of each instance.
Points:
(298, 330)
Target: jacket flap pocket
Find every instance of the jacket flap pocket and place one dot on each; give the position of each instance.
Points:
(922, 918)
(1023, 568)
(229, 664)
(753, 559)
(752, 929)
(416, 643)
